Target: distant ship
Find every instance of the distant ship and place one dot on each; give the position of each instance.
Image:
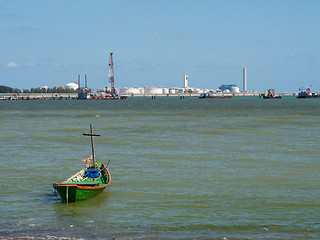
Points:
(307, 94)
(271, 94)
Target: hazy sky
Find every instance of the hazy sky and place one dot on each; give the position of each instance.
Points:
(156, 42)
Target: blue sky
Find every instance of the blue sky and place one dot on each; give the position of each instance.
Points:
(156, 42)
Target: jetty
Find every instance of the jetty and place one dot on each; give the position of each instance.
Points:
(103, 96)
(38, 96)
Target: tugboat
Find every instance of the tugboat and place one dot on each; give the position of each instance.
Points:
(307, 94)
(271, 94)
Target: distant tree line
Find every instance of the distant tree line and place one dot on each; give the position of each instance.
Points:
(50, 90)
(5, 89)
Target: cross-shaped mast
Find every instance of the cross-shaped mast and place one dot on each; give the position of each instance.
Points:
(92, 135)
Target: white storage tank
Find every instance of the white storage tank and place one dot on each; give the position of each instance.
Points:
(172, 91)
(165, 91)
(123, 90)
(73, 86)
(235, 89)
(175, 90)
(129, 91)
(153, 91)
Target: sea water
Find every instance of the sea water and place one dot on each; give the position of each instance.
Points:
(180, 168)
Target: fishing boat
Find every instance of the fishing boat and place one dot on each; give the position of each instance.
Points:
(87, 182)
(307, 94)
(271, 94)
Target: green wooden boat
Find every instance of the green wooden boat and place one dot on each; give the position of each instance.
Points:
(86, 183)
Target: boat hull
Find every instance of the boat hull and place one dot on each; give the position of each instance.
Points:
(77, 187)
(73, 193)
(203, 97)
(272, 97)
(313, 96)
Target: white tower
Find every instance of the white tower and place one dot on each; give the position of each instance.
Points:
(244, 79)
(185, 82)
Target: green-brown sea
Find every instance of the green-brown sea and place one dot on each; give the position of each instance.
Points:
(181, 168)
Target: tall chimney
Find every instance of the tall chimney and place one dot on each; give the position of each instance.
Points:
(79, 83)
(185, 82)
(85, 77)
(244, 79)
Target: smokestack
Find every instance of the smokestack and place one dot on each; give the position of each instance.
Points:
(244, 79)
(79, 83)
(185, 81)
(85, 77)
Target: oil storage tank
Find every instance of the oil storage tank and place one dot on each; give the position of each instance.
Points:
(235, 90)
(165, 91)
(153, 91)
(73, 86)
(129, 91)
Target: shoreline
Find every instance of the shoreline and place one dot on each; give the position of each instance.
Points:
(73, 96)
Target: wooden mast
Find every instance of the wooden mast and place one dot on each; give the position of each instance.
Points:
(92, 145)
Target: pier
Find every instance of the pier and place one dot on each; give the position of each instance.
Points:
(74, 96)
(38, 96)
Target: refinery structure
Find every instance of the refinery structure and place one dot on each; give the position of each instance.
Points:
(111, 92)
(173, 91)
(227, 89)
(185, 89)
(75, 90)
(151, 91)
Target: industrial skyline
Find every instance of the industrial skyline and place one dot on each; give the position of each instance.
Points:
(112, 87)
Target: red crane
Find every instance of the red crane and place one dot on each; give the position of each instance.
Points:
(111, 76)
